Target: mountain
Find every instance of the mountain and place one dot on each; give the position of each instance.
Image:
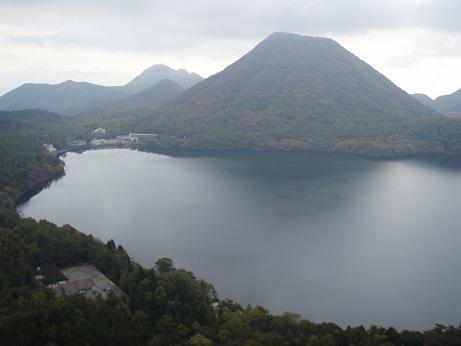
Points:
(67, 98)
(73, 98)
(424, 99)
(449, 104)
(146, 99)
(290, 91)
(156, 73)
(156, 94)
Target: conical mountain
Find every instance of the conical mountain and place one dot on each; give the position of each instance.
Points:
(290, 90)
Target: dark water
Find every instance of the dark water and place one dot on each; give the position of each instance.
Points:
(335, 238)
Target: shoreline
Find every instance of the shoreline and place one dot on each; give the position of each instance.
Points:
(25, 196)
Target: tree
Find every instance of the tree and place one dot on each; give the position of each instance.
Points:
(14, 266)
(111, 245)
(199, 340)
(164, 265)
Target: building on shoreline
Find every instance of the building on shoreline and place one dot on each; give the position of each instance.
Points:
(77, 143)
(139, 137)
(131, 138)
(98, 142)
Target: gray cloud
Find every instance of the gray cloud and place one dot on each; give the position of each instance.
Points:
(175, 25)
(108, 41)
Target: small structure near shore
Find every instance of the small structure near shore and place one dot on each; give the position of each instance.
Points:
(77, 143)
(50, 148)
(86, 275)
(85, 287)
(50, 276)
(84, 280)
(125, 140)
(138, 137)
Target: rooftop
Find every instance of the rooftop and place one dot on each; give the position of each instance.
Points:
(49, 274)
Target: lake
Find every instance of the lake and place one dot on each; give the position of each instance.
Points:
(333, 237)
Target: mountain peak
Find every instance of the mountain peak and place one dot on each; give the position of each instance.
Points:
(290, 90)
(155, 73)
(157, 67)
(286, 36)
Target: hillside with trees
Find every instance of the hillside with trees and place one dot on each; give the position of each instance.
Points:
(68, 98)
(296, 92)
(147, 99)
(449, 105)
(24, 162)
(74, 98)
(162, 305)
(424, 99)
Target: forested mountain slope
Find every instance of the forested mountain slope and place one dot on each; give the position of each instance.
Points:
(67, 98)
(24, 161)
(290, 91)
(73, 98)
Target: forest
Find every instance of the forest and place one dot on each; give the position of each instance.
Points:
(23, 161)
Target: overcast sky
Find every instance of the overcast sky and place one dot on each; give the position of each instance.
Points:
(415, 43)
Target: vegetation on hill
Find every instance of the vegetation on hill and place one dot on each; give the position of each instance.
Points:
(23, 160)
(73, 98)
(292, 92)
(162, 305)
(68, 98)
(111, 113)
(449, 104)
(446, 104)
(147, 98)
(424, 99)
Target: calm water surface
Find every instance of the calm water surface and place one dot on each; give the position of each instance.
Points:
(335, 238)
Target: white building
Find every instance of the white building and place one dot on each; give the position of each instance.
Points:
(77, 143)
(98, 142)
(138, 137)
(124, 138)
(99, 131)
(112, 141)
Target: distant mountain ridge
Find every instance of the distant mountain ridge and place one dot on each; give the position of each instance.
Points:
(149, 98)
(290, 91)
(67, 98)
(449, 104)
(159, 92)
(156, 73)
(446, 104)
(424, 99)
(72, 98)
